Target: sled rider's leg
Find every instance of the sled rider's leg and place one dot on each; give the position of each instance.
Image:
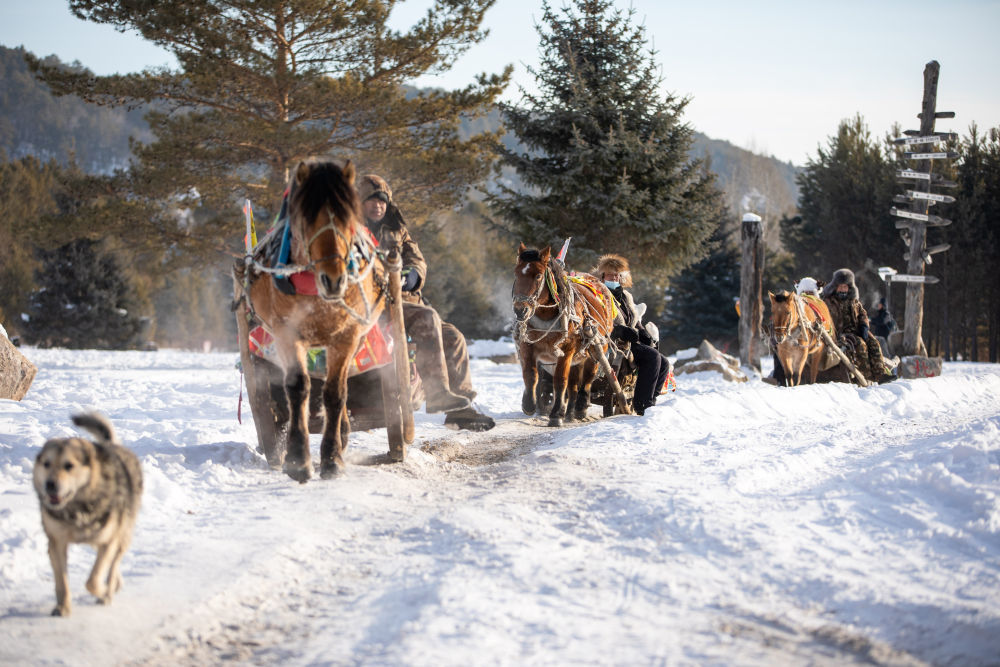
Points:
(456, 355)
(647, 361)
(424, 326)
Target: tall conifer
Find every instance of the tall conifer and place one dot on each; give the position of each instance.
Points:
(262, 85)
(604, 154)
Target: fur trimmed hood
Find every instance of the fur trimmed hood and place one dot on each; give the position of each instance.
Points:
(372, 184)
(841, 277)
(614, 264)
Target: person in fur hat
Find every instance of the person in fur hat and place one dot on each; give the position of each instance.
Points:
(853, 329)
(442, 357)
(652, 367)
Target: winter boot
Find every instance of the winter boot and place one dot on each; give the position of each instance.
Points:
(469, 419)
(443, 400)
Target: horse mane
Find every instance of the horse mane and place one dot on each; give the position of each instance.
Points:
(782, 296)
(530, 255)
(326, 185)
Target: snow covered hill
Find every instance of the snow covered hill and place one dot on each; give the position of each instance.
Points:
(733, 524)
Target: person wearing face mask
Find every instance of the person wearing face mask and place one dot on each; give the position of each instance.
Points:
(651, 366)
(853, 328)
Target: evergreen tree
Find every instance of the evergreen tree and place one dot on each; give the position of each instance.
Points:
(844, 199)
(701, 299)
(25, 194)
(469, 280)
(264, 85)
(604, 155)
(962, 312)
(83, 301)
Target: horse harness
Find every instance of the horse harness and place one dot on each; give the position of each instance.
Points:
(358, 261)
(559, 323)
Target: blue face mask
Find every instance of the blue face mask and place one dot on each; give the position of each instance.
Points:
(612, 284)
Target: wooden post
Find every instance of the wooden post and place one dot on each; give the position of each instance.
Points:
(751, 287)
(914, 318)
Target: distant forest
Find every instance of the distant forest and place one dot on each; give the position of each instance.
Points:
(181, 310)
(34, 122)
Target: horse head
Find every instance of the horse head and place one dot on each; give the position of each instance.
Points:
(529, 280)
(783, 317)
(325, 217)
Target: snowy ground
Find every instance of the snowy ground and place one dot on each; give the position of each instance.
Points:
(733, 524)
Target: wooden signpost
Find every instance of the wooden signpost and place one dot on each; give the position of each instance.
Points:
(916, 219)
(751, 290)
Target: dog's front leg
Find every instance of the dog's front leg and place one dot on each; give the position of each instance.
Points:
(60, 570)
(97, 583)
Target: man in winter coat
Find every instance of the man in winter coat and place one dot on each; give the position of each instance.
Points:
(853, 329)
(651, 366)
(442, 357)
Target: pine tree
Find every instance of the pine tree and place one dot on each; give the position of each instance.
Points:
(604, 154)
(264, 85)
(83, 300)
(845, 194)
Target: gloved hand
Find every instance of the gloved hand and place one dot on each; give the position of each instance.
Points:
(863, 333)
(625, 333)
(644, 337)
(409, 279)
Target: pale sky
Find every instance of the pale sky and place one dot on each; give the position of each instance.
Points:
(775, 77)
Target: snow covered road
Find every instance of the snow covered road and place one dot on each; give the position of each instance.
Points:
(733, 524)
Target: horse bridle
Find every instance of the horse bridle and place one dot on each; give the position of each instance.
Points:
(351, 266)
(349, 259)
(529, 301)
(800, 320)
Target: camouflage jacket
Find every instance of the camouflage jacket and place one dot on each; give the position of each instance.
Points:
(848, 315)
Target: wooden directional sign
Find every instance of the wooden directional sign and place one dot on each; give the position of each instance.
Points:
(931, 156)
(933, 250)
(939, 114)
(907, 278)
(904, 199)
(936, 179)
(944, 199)
(929, 220)
(930, 139)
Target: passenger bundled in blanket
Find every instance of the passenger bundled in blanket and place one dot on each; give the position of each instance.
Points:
(651, 366)
(853, 330)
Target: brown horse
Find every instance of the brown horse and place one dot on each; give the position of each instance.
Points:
(330, 242)
(793, 320)
(558, 321)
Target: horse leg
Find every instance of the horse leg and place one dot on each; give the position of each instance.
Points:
(530, 374)
(588, 371)
(337, 427)
(298, 465)
(560, 378)
(815, 359)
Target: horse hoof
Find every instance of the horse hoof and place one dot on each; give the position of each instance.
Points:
(528, 407)
(580, 416)
(330, 471)
(299, 472)
(397, 455)
(555, 421)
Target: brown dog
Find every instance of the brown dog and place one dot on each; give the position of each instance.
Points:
(89, 493)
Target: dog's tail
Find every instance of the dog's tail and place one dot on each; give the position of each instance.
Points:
(98, 425)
